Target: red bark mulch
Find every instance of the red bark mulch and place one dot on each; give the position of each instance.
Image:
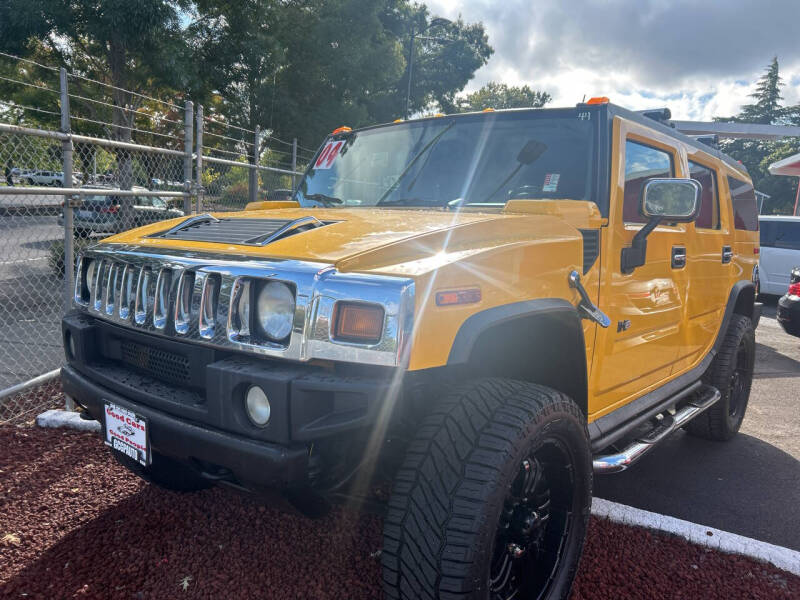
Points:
(74, 524)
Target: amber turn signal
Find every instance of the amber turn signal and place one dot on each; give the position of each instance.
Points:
(450, 297)
(354, 322)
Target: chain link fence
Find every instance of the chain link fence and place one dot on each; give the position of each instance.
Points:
(74, 177)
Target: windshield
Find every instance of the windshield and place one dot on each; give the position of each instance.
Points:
(483, 159)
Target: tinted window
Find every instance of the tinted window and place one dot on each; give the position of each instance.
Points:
(780, 234)
(642, 163)
(743, 197)
(709, 198)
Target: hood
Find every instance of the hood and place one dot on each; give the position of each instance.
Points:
(363, 238)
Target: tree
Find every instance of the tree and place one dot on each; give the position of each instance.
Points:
(757, 155)
(301, 69)
(499, 96)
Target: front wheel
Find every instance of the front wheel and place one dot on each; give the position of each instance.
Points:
(493, 499)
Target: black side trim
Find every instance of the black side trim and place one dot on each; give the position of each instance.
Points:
(475, 325)
(609, 428)
(591, 247)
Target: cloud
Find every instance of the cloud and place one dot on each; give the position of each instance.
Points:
(698, 57)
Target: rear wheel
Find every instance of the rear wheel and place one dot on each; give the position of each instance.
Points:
(493, 498)
(165, 472)
(731, 373)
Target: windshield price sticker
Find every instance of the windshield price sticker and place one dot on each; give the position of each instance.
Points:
(328, 154)
(551, 182)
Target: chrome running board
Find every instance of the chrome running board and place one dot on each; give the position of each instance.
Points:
(614, 463)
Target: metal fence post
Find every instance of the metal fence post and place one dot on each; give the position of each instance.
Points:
(67, 182)
(252, 180)
(294, 158)
(188, 123)
(66, 159)
(199, 153)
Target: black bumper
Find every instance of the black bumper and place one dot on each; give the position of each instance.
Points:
(789, 314)
(249, 462)
(193, 398)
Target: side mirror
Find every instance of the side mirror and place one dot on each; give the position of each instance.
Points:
(671, 200)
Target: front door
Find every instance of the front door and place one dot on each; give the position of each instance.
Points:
(639, 350)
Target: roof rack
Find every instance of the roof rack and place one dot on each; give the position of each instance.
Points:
(709, 139)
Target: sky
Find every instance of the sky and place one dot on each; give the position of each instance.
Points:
(701, 58)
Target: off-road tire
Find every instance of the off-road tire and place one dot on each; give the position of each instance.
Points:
(737, 354)
(443, 516)
(165, 473)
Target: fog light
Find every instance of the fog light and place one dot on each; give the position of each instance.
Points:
(257, 405)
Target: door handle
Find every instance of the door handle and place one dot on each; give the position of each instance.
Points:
(727, 255)
(678, 257)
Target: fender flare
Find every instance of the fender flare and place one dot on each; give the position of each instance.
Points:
(557, 310)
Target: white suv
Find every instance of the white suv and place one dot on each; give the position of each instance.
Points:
(780, 253)
(39, 177)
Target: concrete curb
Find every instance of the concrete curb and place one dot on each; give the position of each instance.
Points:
(783, 558)
(67, 420)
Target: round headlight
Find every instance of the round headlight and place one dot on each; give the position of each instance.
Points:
(275, 310)
(257, 403)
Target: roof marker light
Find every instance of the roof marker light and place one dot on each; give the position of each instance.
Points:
(437, 115)
(398, 120)
(343, 129)
(598, 100)
(488, 110)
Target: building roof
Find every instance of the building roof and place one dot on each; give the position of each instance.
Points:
(788, 166)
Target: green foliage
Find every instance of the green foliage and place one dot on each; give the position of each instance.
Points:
(499, 96)
(757, 155)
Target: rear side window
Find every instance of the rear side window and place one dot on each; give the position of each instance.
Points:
(780, 234)
(642, 163)
(743, 197)
(709, 197)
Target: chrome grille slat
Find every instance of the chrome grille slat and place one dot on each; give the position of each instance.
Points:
(148, 283)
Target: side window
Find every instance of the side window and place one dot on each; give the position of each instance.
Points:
(642, 163)
(743, 197)
(780, 234)
(709, 198)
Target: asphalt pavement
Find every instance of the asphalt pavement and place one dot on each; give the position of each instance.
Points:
(749, 485)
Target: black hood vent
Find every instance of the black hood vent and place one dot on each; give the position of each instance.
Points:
(248, 232)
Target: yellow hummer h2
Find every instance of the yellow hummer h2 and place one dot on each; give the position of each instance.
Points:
(484, 308)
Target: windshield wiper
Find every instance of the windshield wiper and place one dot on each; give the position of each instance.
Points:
(411, 163)
(407, 202)
(324, 198)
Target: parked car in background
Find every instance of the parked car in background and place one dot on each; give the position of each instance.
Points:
(101, 212)
(280, 194)
(789, 305)
(41, 177)
(779, 254)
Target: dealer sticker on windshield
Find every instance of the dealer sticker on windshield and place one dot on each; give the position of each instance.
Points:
(328, 154)
(551, 182)
(126, 432)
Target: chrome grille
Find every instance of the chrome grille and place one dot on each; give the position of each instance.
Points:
(194, 297)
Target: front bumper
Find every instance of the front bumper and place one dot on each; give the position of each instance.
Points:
(248, 462)
(789, 314)
(193, 398)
